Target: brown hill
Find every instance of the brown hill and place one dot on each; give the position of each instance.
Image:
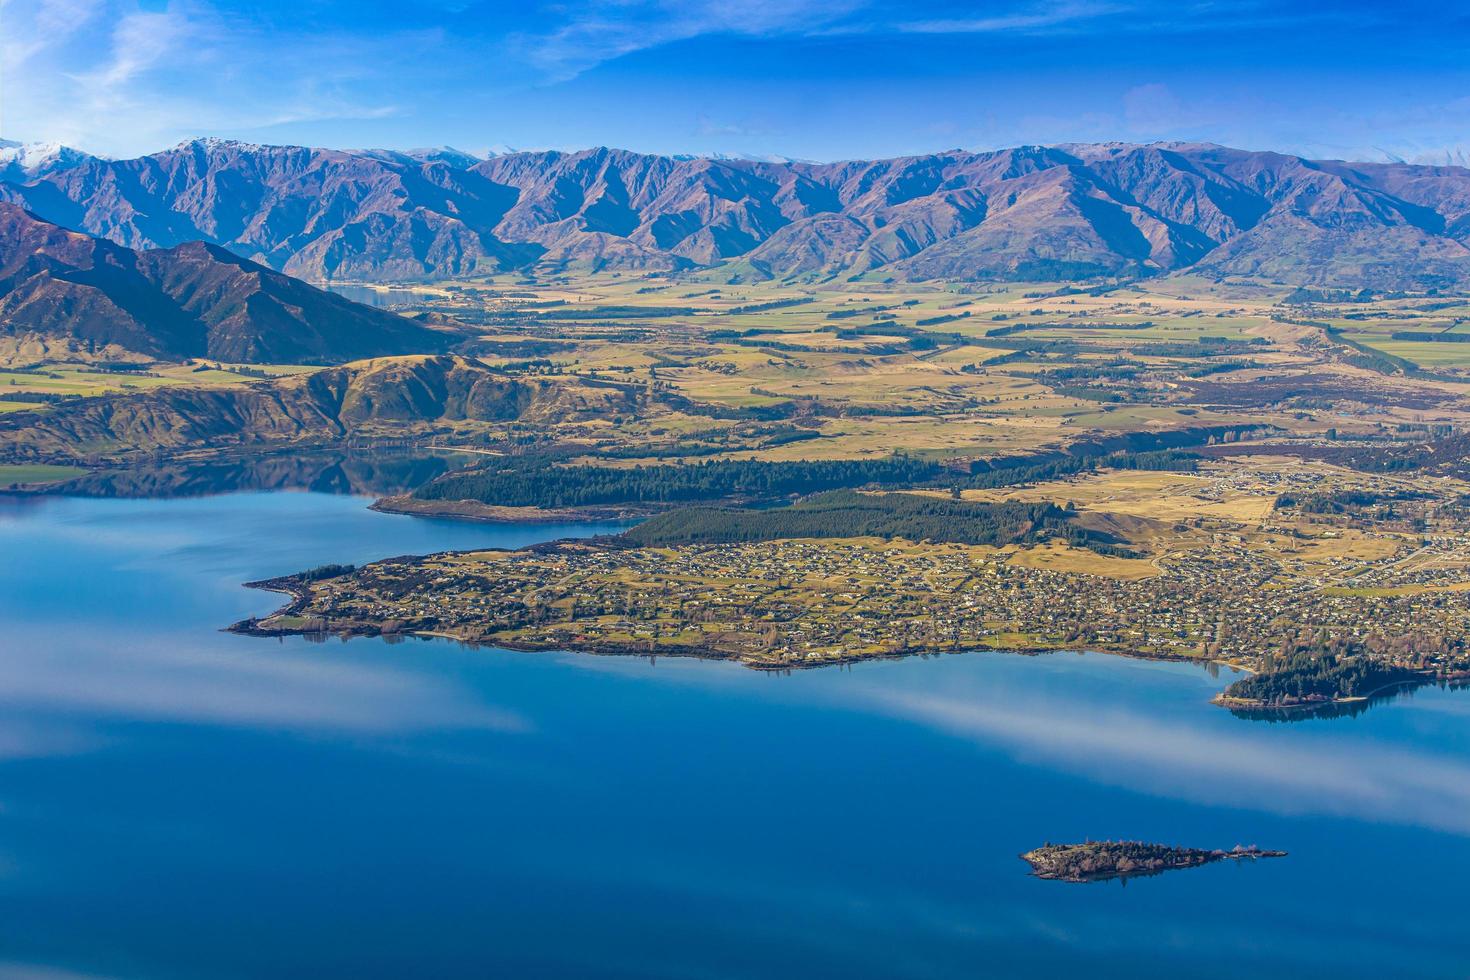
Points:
(1028, 212)
(191, 300)
(391, 398)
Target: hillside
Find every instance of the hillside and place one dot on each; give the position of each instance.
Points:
(1024, 213)
(393, 398)
(86, 295)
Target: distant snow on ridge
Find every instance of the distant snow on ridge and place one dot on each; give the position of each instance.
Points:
(462, 159)
(1445, 156)
(25, 161)
(29, 160)
(1421, 155)
(747, 157)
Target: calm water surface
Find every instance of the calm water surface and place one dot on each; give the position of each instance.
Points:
(180, 802)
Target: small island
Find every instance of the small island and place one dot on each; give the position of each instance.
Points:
(1101, 860)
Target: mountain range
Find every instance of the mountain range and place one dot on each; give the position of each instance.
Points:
(1032, 212)
(61, 289)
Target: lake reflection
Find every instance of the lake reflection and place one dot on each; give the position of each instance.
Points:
(398, 297)
(177, 801)
(376, 473)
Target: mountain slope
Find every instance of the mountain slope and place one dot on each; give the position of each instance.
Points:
(1026, 212)
(192, 300)
(390, 397)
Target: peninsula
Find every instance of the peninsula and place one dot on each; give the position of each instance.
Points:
(847, 576)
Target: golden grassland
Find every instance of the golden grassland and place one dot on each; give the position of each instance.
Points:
(1178, 310)
(1158, 495)
(62, 379)
(1229, 503)
(1059, 557)
(1122, 360)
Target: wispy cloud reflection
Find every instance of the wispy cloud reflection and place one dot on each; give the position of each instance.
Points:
(1200, 754)
(235, 683)
(33, 971)
(22, 738)
(1251, 766)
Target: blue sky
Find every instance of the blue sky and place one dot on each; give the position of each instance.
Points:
(817, 79)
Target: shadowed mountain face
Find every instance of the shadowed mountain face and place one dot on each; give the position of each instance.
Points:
(1030, 212)
(191, 300)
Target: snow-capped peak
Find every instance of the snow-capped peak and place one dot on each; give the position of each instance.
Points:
(26, 161)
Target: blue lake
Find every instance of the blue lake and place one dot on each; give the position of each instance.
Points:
(180, 802)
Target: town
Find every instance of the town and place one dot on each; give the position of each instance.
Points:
(1206, 588)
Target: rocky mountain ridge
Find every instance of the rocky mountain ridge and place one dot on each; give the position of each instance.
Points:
(1032, 212)
(65, 289)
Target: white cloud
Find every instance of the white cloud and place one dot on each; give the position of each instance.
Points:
(121, 80)
(603, 30)
(140, 41)
(33, 27)
(1039, 17)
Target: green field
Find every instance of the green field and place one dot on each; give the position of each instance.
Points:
(67, 379)
(1424, 353)
(16, 475)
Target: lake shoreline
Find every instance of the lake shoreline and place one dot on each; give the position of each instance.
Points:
(300, 595)
(1306, 707)
(470, 510)
(305, 615)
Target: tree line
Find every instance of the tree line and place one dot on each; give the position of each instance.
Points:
(538, 481)
(1318, 669)
(532, 482)
(848, 513)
